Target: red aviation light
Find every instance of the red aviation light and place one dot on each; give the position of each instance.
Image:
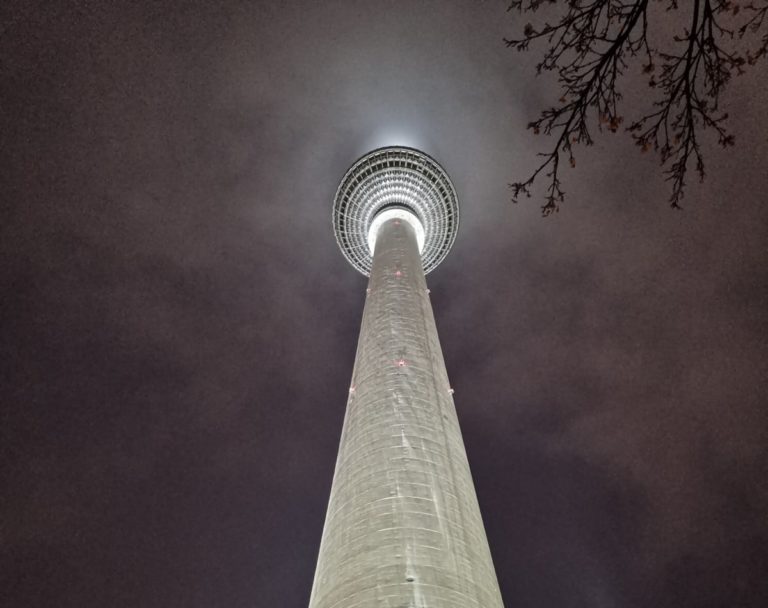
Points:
(401, 363)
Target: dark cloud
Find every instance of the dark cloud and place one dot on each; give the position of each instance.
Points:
(179, 326)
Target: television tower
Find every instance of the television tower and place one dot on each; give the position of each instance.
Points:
(403, 527)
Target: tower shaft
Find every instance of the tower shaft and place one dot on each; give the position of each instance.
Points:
(403, 527)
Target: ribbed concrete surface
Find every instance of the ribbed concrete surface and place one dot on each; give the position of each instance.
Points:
(403, 528)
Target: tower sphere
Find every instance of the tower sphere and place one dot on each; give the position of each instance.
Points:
(401, 183)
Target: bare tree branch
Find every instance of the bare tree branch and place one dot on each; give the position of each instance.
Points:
(590, 47)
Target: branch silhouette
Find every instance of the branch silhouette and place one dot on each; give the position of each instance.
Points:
(590, 47)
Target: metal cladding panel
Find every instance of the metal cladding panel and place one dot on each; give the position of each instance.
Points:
(403, 528)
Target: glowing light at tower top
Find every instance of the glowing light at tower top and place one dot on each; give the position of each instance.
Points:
(402, 182)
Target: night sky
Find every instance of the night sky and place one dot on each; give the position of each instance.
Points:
(179, 326)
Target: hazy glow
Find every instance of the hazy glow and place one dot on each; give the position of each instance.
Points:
(392, 136)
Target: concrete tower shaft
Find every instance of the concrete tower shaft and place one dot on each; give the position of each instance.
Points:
(403, 527)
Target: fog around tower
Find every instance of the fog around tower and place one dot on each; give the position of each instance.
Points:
(179, 324)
